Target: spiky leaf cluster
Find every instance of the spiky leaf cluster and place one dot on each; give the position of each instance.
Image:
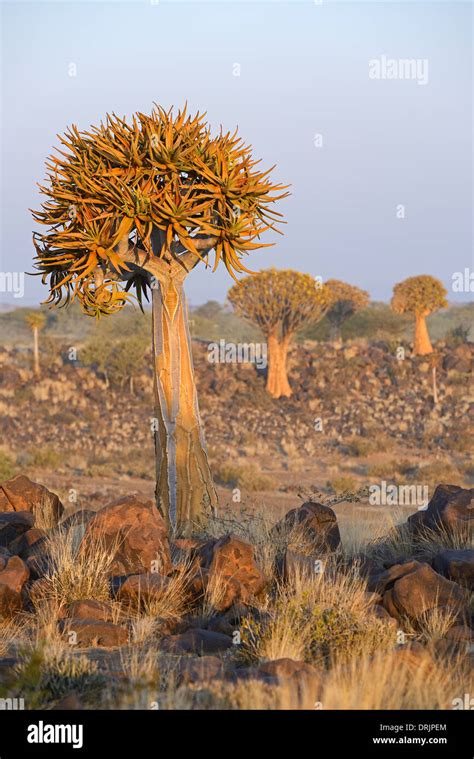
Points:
(345, 300)
(158, 185)
(279, 301)
(419, 295)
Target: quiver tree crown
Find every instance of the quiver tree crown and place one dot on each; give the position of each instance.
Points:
(281, 303)
(344, 301)
(419, 296)
(158, 189)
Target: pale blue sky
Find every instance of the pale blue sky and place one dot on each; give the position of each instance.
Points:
(304, 71)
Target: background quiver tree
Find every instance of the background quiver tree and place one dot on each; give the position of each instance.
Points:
(133, 208)
(280, 303)
(344, 301)
(36, 320)
(420, 296)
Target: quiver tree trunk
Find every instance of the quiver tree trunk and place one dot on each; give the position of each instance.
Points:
(277, 378)
(185, 492)
(36, 361)
(335, 334)
(422, 344)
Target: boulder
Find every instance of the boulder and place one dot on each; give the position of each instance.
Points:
(196, 641)
(79, 518)
(12, 580)
(230, 562)
(134, 530)
(293, 565)
(92, 632)
(21, 494)
(229, 622)
(451, 508)
(4, 556)
(14, 525)
(422, 590)
(142, 589)
(382, 581)
(70, 702)
(313, 526)
(284, 670)
(89, 608)
(288, 672)
(201, 669)
(456, 565)
(31, 543)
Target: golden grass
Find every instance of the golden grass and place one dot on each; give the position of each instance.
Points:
(74, 572)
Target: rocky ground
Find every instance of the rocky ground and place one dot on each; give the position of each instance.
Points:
(104, 610)
(302, 593)
(358, 414)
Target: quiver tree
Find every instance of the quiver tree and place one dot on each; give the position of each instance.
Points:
(280, 303)
(133, 208)
(36, 320)
(344, 301)
(419, 296)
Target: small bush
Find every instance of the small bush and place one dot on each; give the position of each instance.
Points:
(7, 467)
(247, 477)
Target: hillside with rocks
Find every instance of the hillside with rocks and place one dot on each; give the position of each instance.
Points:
(358, 389)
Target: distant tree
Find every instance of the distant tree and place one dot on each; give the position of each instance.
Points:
(280, 303)
(420, 296)
(96, 353)
(126, 360)
(344, 301)
(36, 320)
(210, 310)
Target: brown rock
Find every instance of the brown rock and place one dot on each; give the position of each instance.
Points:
(89, 608)
(71, 702)
(283, 669)
(79, 518)
(31, 543)
(313, 524)
(135, 531)
(198, 670)
(457, 566)
(451, 508)
(12, 580)
(93, 632)
(383, 581)
(21, 494)
(196, 641)
(14, 525)
(293, 565)
(229, 622)
(386, 613)
(422, 590)
(460, 633)
(414, 656)
(231, 561)
(142, 588)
